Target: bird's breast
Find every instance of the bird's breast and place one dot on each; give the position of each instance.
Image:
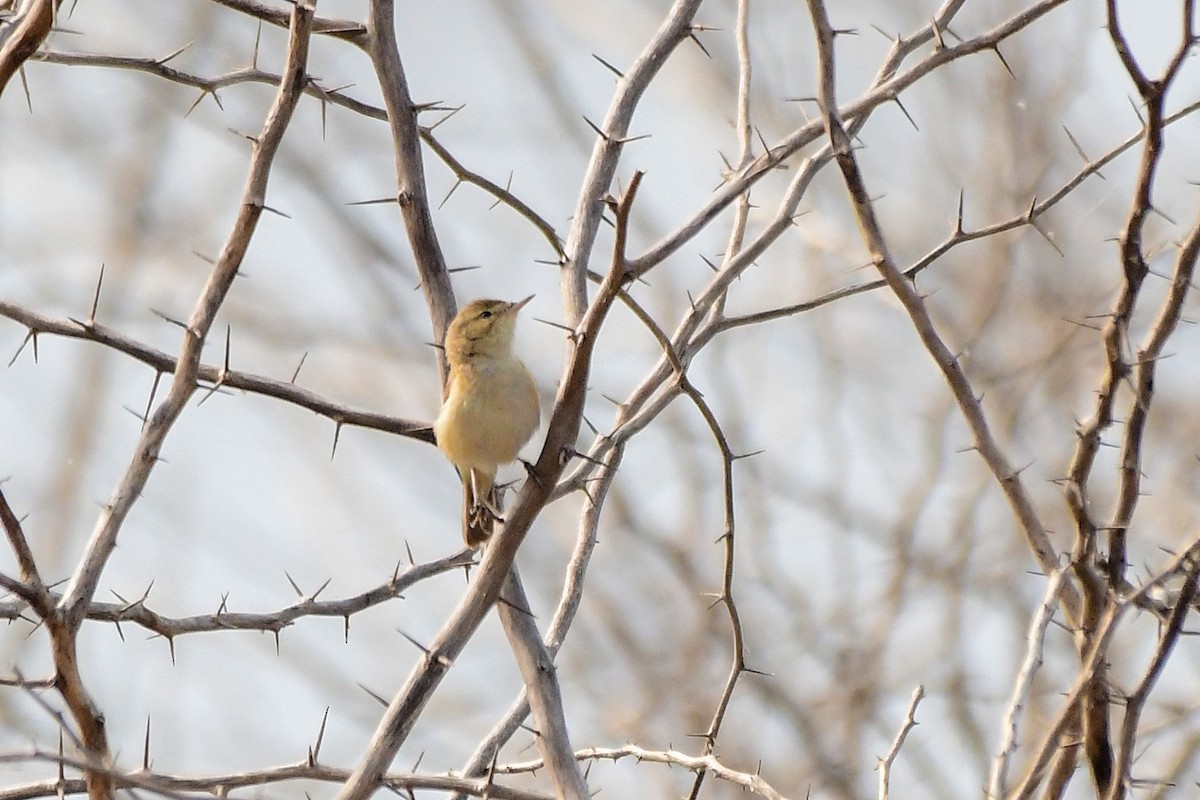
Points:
(491, 411)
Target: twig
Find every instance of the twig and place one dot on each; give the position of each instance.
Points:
(285, 390)
(565, 421)
(910, 722)
(1023, 685)
(707, 763)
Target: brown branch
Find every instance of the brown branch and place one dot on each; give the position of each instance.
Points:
(31, 29)
(889, 84)
(161, 362)
(956, 238)
(1136, 702)
(178, 786)
(602, 166)
(346, 29)
(30, 586)
(569, 601)
(565, 420)
(411, 193)
(160, 68)
(1135, 269)
(541, 687)
(706, 763)
(64, 624)
(137, 613)
(1090, 661)
(1005, 474)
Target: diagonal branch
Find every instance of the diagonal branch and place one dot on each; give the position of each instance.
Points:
(407, 705)
(82, 586)
(20, 43)
(1006, 475)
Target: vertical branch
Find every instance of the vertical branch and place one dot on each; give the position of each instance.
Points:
(734, 246)
(564, 615)
(541, 687)
(1136, 702)
(910, 722)
(745, 131)
(411, 193)
(1133, 261)
(914, 304)
(64, 623)
(1036, 642)
(402, 713)
(83, 583)
(603, 164)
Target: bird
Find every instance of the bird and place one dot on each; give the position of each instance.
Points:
(491, 407)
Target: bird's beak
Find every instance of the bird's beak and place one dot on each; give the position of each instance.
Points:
(517, 306)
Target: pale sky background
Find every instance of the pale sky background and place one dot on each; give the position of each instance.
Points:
(861, 443)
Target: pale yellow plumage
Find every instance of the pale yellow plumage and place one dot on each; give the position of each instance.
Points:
(491, 407)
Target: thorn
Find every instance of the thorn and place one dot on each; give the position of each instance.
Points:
(150, 400)
(411, 560)
(1049, 239)
(296, 374)
(337, 432)
(25, 86)
(762, 141)
(315, 752)
(885, 34)
(958, 221)
(904, 111)
(996, 48)
(166, 59)
(611, 68)
(937, 36)
(146, 744)
(1031, 212)
(375, 202)
(32, 334)
(437, 106)
(257, 41)
(377, 698)
(599, 132)
(526, 611)
(295, 588)
(558, 325)
(507, 188)
(163, 315)
(457, 183)
(696, 40)
(91, 319)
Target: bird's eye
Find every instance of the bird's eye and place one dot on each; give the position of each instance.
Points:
(484, 314)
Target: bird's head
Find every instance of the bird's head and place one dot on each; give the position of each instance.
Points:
(483, 328)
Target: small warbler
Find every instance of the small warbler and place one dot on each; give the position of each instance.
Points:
(491, 407)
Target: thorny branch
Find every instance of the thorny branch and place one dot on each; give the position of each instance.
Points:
(137, 613)
(1093, 606)
(564, 425)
